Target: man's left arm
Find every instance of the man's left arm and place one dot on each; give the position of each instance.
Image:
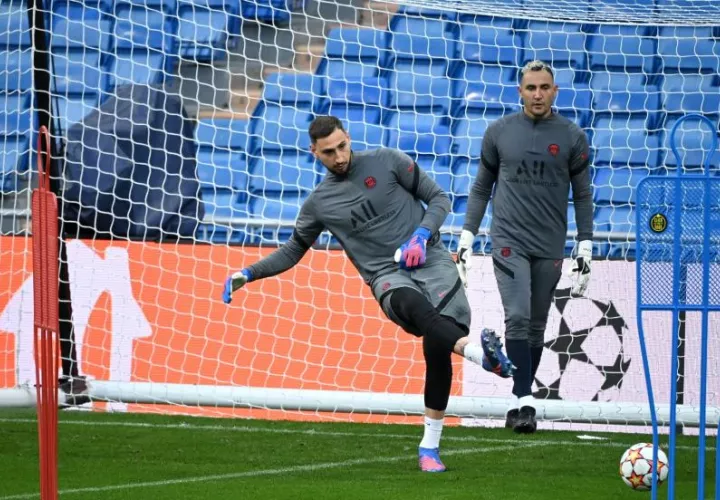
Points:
(411, 177)
(582, 186)
(584, 209)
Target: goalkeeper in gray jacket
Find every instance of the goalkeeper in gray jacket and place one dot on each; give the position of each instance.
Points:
(386, 213)
(531, 158)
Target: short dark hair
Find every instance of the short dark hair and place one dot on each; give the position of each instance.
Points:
(323, 126)
(536, 65)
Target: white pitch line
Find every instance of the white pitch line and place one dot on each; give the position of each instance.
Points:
(268, 472)
(314, 432)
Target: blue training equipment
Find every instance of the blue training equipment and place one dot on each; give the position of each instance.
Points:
(678, 244)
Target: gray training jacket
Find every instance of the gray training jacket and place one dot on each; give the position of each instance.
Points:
(372, 210)
(532, 163)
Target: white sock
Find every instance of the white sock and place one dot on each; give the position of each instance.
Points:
(526, 401)
(433, 431)
(514, 403)
(474, 352)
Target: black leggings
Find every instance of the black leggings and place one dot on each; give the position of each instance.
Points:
(440, 334)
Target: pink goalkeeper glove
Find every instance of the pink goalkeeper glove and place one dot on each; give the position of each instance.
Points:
(412, 253)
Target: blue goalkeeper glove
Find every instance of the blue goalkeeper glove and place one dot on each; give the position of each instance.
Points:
(235, 282)
(412, 253)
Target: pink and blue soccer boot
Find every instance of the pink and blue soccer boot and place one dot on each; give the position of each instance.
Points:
(429, 459)
(495, 360)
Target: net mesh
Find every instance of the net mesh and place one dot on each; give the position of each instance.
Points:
(183, 127)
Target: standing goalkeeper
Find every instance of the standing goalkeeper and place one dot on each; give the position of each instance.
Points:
(372, 202)
(531, 157)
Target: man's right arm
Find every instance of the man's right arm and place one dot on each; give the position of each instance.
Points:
(483, 185)
(307, 230)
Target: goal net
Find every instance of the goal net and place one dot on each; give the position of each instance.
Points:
(182, 127)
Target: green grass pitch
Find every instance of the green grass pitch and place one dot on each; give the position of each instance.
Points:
(141, 456)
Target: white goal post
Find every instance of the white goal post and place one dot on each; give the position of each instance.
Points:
(184, 133)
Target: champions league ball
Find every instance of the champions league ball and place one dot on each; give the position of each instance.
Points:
(636, 466)
(585, 359)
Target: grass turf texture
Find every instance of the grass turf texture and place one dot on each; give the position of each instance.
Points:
(138, 456)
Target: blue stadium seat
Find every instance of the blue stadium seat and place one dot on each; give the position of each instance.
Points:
(690, 9)
(77, 72)
(79, 26)
(574, 103)
(468, 133)
(353, 55)
(620, 221)
(14, 154)
(570, 243)
(203, 28)
(599, 249)
(222, 169)
(483, 86)
(224, 233)
(566, 78)
(15, 70)
(689, 49)
(437, 167)
(365, 45)
(282, 172)
(559, 44)
(283, 208)
(167, 6)
(15, 114)
(223, 203)
(338, 71)
(684, 93)
(617, 186)
(693, 139)
(364, 135)
(465, 171)
(622, 48)
(620, 6)
(292, 89)
(14, 25)
(625, 148)
(620, 94)
(629, 123)
(457, 218)
(140, 25)
(222, 133)
(412, 10)
(135, 66)
(419, 85)
(421, 38)
(617, 101)
(356, 101)
(347, 112)
(621, 81)
(277, 127)
(488, 40)
(418, 133)
(266, 11)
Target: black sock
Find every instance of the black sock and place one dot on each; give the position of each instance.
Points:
(535, 356)
(519, 353)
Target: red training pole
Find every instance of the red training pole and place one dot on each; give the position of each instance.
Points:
(45, 304)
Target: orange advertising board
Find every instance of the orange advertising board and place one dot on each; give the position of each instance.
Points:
(153, 313)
